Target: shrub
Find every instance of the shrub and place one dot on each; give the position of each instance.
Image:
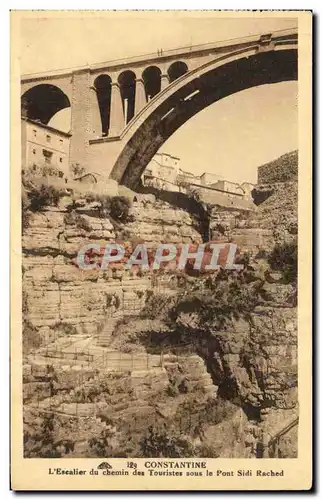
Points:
(120, 206)
(165, 442)
(116, 206)
(25, 308)
(219, 228)
(30, 338)
(156, 306)
(25, 213)
(43, 444)
(219, 300)
(66, 328)
(206, 451)
(74, 219)
(283, 258)
(77, 170)
(42, 170)
(43, 196)
(100, 446)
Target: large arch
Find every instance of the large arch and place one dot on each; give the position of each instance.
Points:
(42, 102)
(191, 93)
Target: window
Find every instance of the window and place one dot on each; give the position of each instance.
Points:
(61, 160)
(61, 141)
(33, 151)
(47, 155)
(34, 133)
(48, 138)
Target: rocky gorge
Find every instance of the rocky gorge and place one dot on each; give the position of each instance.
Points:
(134, 363)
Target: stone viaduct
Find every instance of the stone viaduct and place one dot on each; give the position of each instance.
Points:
(124, 110)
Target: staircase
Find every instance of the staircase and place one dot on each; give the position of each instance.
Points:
(105, 335)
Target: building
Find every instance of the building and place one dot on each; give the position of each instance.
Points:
(164, 166)
(206, 179)
(162, 172)
(44, 145)
(185, 177)
(228, 187)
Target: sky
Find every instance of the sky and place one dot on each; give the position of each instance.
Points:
(231, 137)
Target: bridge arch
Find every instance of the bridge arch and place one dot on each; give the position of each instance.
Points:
(152, 81)
(42, 102)
(176, 70)
(192, 92)
(127, 83)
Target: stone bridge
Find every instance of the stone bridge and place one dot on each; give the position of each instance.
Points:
(124, 110)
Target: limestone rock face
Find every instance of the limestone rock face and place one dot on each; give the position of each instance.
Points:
(276, 196)
(253, 364)
(57, 291)
(159, 223)
(278, 212)
(283, 169)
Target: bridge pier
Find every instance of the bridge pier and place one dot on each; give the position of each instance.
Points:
(116, 114)
(96, 122)
(80, 118)
(140, 99)
(164, 81)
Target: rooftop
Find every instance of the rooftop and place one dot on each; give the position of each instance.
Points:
(47, 127)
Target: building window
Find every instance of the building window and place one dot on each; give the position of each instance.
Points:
(48, 138)
(34, 132)
(61, 160)
(33, 151)
(61, 141)
(47, 155)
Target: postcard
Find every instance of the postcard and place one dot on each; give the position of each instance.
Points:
(161, 244)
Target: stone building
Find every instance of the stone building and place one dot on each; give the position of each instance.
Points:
(208, 178)
(228, 187)
(44, 145)
(163, 167)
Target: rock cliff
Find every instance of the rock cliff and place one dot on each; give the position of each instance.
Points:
(223, 396)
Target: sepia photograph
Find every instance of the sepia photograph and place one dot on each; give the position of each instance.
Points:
(158, 180)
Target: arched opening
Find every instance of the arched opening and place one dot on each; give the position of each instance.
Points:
(42, 102)
(176, 70)
(152, 81)
(103, 87)
(126, 82)
(199, 91)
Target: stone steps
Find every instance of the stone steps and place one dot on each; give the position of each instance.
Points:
(107, 332)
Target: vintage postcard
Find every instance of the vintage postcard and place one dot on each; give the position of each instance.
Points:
(161, 250)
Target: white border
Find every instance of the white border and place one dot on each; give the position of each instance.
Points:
(4, 199)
